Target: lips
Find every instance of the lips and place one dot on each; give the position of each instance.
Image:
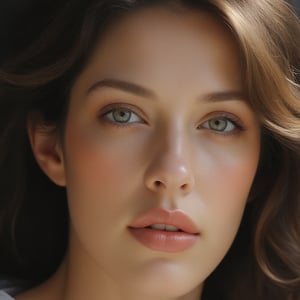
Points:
(165, 230)
(176, 218)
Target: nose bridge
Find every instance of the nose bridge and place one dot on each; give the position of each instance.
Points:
(170, 166)
(172, 151)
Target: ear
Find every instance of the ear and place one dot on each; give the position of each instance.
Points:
(47, 149)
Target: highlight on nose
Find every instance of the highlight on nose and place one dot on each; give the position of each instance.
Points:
(169, 169)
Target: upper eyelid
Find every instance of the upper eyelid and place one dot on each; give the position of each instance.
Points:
(110, 107)
(129, 107)
(224, 115)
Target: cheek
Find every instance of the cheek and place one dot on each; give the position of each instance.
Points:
(224, 184)
(226, 171)
(103, 173)
(98, 185)
(96, 163)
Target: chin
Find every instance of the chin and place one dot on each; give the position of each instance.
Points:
(167, 282)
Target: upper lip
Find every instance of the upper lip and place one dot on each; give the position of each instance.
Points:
(176, 218)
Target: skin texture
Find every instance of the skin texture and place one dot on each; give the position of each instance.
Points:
(169, 156)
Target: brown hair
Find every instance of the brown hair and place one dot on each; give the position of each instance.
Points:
(268, 34)
(264, 261)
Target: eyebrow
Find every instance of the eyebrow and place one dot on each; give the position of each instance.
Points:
(225, 96)
(123, 86)
(139, 90)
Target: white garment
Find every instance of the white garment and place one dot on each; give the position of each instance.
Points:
(11, 287)
(5, 296)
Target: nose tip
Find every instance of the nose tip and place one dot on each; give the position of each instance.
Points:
(173, 180)
(169, 169)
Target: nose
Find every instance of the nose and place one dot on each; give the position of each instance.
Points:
(170, 168)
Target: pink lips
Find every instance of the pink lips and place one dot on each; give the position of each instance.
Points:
(161, 240)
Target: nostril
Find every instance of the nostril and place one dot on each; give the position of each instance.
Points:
(157, 183)
(184, 186)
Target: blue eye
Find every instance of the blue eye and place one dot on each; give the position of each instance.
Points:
(122, 116)
(220, 124)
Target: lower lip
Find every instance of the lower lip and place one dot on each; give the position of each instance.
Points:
(164, 241)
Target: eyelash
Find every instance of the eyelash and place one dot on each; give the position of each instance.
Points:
(110, 110)
(238, 126)
(235, 121)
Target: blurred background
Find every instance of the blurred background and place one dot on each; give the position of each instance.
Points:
(21, 19)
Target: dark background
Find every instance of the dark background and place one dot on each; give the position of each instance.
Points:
(21, 19)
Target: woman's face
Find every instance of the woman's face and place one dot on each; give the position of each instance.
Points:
(158, 132)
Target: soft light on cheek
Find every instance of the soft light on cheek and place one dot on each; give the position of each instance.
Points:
(87, 156)
(225, 171)
(233, 152)
(225, 192)
(96, 156)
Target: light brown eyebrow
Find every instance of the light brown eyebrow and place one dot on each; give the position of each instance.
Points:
(224, 96)
(124, 86)
(147, 93)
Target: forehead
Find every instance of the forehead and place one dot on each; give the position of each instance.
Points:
(154, 45)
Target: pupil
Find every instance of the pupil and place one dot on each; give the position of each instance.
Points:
(218, 124)
(122, 116)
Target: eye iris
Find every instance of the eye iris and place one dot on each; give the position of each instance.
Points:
(218, 124)
(121, 115)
